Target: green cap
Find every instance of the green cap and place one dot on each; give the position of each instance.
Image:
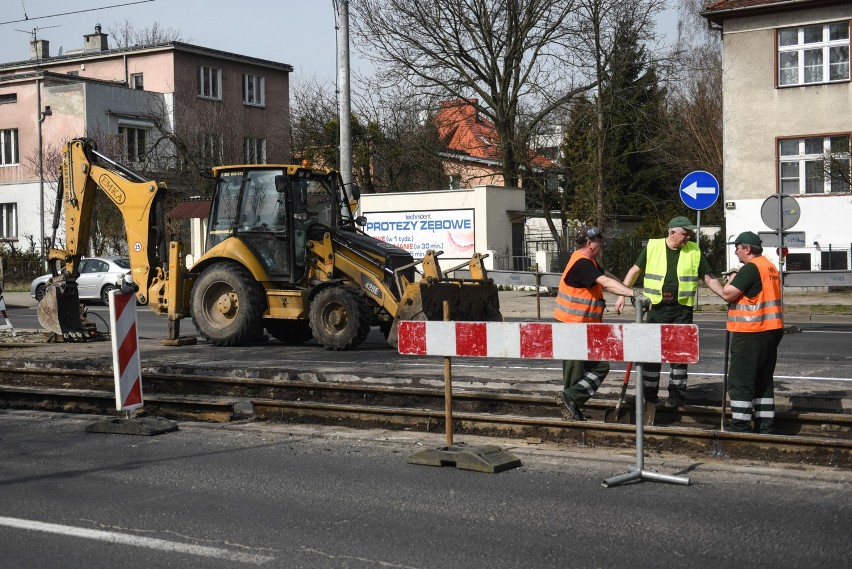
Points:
(747, 238)
(681, 221)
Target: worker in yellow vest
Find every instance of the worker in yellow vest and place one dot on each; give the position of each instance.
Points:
(581, 299)
(673, 266)
(756, 323)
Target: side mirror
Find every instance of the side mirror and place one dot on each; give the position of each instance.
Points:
(355, 192)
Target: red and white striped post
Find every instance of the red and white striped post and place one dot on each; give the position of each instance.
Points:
(125, 352)
(7, 325)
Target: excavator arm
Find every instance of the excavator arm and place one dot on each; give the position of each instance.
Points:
(140, 202)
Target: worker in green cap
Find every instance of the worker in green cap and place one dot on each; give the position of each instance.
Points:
(672, 266)
(756, 324)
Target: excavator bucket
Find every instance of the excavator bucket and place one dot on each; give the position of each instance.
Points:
(468, 301)
(59, 310)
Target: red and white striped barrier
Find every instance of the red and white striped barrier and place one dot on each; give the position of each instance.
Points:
(125, 351)
(665, 343)
(7, 323)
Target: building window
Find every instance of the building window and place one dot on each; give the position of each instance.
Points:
(8, 98)
(813, 54)
(253, 90)
(8, 147)
(209, 82)
(8, 220)
(815, 165)
(254, 150)
(136, 81)
(134, 139)
(455, 181)
(212, 148)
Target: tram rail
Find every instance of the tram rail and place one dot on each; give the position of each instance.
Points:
(811, 438)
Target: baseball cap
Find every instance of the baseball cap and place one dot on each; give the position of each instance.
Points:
(681, 221)
(747, 238)
(590, 233)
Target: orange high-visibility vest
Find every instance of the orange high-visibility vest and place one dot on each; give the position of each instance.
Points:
(763, 312)
(579, 304)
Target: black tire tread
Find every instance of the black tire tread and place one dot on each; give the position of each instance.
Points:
(249, 324)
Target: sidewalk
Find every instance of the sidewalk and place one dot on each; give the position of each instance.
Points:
(799, 306)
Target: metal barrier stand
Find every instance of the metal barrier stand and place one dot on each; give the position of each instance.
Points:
(484, 458)
(638, 472)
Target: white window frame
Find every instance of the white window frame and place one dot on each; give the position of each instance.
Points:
(9, 220)
(9, 151)
(254, 90)
(210, 82)
(137, 81)
(213, 148)
(801, 168)
(804, 47)
(135, 141)
(254, 150)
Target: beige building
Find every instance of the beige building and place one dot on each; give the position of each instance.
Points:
(137, 101)
(787, 120)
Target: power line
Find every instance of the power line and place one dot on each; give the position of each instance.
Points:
(27, 19)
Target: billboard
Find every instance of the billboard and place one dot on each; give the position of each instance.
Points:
(447, 230)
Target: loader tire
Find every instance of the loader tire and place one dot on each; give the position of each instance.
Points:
(228, 305)
(290, 331)
(340, 317)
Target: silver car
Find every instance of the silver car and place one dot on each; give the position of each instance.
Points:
(98, 276)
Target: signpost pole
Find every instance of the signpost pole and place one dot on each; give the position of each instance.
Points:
(698, 191)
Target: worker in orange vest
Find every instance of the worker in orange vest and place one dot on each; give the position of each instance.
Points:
(581, 299)
(756, 324)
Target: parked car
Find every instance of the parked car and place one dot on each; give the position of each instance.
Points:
(98, 276)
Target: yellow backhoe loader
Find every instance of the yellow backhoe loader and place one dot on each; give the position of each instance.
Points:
(284, 253)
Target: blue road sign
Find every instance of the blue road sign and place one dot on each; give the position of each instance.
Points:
(699, 190)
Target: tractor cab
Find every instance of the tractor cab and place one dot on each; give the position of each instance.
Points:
(272, 209)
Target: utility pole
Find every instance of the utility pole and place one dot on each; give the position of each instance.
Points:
(343, 95)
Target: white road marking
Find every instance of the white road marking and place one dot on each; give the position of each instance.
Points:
(135, 540)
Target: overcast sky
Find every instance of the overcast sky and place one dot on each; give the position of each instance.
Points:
(298, 32)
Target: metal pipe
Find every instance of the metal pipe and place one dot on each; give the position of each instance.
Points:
(344, 100)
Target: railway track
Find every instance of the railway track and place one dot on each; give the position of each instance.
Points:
(811, 438)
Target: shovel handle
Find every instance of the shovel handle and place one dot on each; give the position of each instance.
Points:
(623, 388)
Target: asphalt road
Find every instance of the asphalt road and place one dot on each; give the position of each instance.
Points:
(281, 496)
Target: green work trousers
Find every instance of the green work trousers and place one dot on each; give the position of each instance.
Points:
(750, 380)
(581, 379)
(666, 314)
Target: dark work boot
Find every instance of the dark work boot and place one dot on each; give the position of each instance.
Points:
(570, 409)
(677, 398)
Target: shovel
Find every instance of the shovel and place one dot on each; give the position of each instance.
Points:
(626, 415)
(613, 416)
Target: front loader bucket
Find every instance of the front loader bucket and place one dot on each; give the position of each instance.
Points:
(468, 301)
(59, 310)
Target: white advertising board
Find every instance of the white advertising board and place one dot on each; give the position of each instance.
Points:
(447, 230)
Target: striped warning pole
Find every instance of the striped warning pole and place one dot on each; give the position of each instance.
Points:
(8, 324)
(125, 352)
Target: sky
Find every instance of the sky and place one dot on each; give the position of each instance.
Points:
(297, 32)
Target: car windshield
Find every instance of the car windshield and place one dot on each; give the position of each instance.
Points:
(123, 263)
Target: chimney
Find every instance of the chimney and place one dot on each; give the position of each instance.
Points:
(96, 41)
(39, 49)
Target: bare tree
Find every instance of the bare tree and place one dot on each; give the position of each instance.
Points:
(503, 53)
(692, 123)
(608, 30)
(127, 34)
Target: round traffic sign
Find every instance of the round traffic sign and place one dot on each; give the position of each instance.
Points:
(699, 190)
(783, 215)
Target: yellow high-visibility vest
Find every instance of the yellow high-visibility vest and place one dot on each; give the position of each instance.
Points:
(656, 265)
